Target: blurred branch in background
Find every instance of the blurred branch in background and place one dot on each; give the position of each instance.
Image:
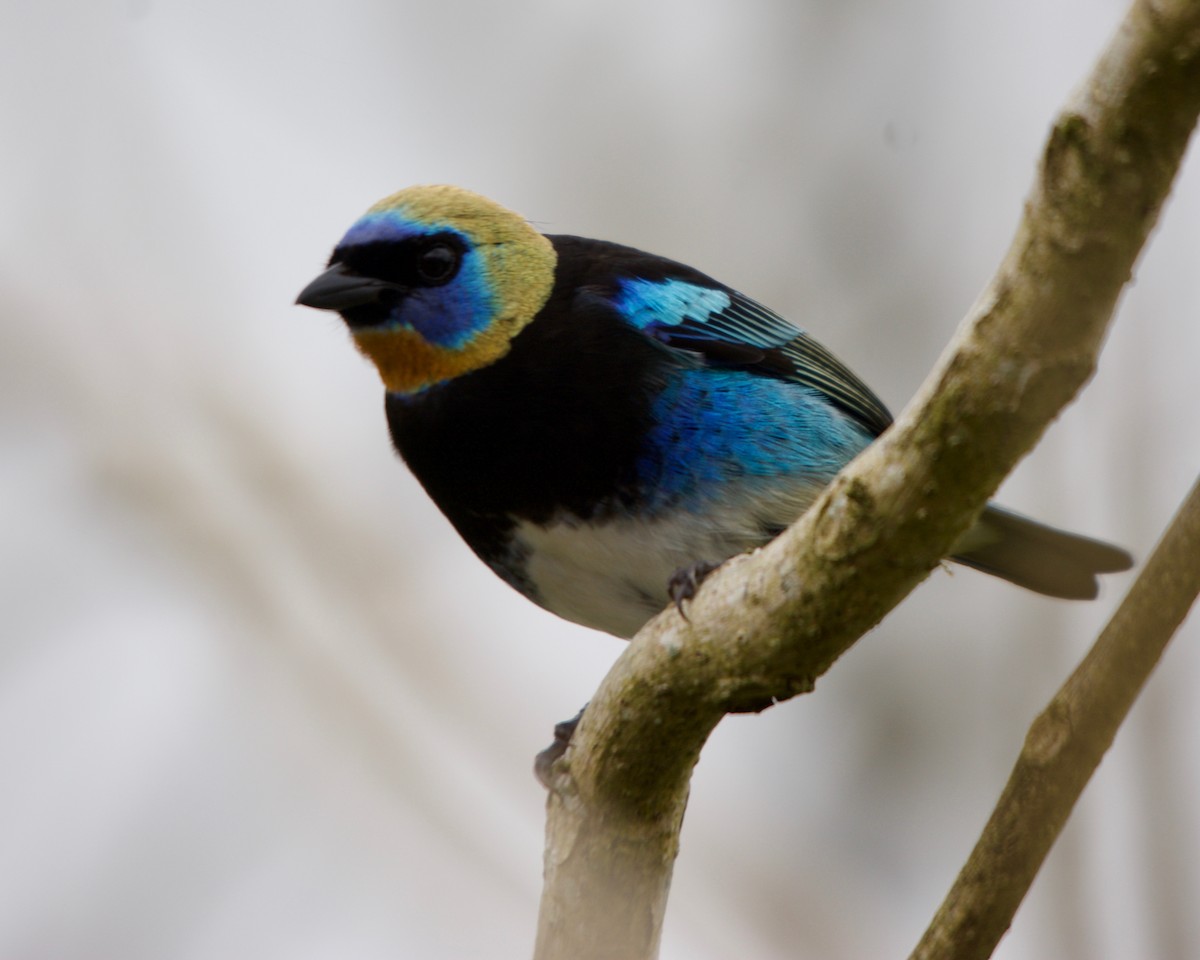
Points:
(766, 626)
(1064, 747)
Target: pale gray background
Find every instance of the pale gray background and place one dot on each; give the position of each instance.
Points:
(257, 700)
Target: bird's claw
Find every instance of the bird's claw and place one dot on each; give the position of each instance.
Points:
(686, 581)
(544, 761)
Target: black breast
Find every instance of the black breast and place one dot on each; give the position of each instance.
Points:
(554, 426)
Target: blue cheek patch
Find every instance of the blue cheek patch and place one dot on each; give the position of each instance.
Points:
(713, 427)
(667, 303)
(450, 316)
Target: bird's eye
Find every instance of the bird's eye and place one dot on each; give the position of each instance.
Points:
(438, 263)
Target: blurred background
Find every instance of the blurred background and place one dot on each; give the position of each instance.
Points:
(257, 700)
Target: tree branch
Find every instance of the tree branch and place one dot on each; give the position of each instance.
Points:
(765, 626)
(1064, 746)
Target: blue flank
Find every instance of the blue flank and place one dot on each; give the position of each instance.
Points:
(717, 429)
(714, 428)
(654, 303)
(447, 316)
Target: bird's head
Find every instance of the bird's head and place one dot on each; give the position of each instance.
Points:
(434, 282)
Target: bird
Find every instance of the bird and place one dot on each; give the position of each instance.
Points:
(604, 426)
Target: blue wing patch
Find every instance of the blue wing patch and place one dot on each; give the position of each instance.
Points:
(731, 330)
(653, 304)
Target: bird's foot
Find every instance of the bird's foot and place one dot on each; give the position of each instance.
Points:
(544, 761)
(686, 581)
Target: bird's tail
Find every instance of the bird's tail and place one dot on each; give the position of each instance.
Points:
(1038, 557)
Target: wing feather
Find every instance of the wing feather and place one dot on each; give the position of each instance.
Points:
(727, 328)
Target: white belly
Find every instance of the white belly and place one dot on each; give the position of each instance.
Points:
(613, 575)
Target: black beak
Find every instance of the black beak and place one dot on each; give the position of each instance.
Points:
(340, 289)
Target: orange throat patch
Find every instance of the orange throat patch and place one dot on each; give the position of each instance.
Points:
(408, 363)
